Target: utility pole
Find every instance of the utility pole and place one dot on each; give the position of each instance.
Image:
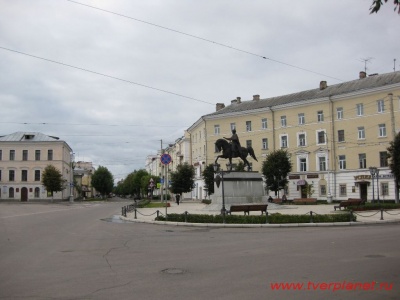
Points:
(162, 176)
(394, 65)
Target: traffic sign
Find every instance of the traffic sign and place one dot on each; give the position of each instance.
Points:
(166, 159)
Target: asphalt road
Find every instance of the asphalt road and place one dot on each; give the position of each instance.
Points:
(81, 251)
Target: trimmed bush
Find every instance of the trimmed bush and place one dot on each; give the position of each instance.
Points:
(272, 218)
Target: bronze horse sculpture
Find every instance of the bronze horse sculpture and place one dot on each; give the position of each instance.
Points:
(226, 148)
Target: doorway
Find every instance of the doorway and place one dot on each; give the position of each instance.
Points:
(363, 191)
(24, 194)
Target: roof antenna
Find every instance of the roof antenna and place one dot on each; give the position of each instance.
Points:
(394, 65)
(366, 60)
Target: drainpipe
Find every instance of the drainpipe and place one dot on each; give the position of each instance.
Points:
(392, 121)
(333, 147)
(273, 128)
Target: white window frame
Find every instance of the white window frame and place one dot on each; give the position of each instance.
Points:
(282, 138)
(360, 109)
(361, 133)
(320, 116)
(248, 126)
(381, 105)
(320, 158)
(299, 143)
(233, 126)
(303, 163)
(264, 123)
(382, 130)
(384, 188)
(342, 162)
(283, 121)
(217, 130)
(363, 160)
(342, 190)
(264, 143)
(301, 118)
(339, 113)
(344, 137)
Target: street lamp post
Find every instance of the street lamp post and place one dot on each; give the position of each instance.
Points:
(377, 184)
(71, 184)
(217, 179)
(373, 170)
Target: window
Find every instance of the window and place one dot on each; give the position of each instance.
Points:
(321, 137)
(342, 190)
(11, 192)
(37, 154)
(339, 113)
(0, 180)
(233, 126)
(248, 125)
(340, 135)
(24, 175)
(37, 192)
(303, 164)
(37, 175)
(264, 123)
(216, 129)
(383, 158)
(12, 154)
(302, 139)
(382, 130)
(360, 109)
(283, 121)
(301, 118)
(1, 154)
(322, 163)
(265, 143)
(11, 175)
(248, 143)
(24, 154)
(216, 150)
(342, 162)
(320, 116)
(361, 133)
(362, 159)
(323, 190)
(284, 141)
(381, 106)
(384, 188)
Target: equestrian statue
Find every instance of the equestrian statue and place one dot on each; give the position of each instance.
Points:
(233, 149)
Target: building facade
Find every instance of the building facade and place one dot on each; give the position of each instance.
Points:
(23, 158)
(333, 135)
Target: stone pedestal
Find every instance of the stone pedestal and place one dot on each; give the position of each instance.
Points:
(239, 188)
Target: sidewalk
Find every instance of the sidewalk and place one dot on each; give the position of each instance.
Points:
(148, 215)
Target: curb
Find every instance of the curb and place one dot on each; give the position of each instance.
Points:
(287, 225)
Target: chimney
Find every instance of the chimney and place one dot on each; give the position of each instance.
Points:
(363, 74)
(220, 106)
(323, 85)
(256, 97)
(233, 102)
(238, 100)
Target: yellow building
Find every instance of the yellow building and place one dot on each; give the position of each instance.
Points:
(23, 158)
(333, 134)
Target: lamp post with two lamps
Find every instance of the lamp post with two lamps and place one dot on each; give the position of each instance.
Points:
(374, 174)
(220, 179)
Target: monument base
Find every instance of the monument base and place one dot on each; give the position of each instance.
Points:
(238, 188)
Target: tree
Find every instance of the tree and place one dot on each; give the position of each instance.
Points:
(52, 180)
(376, 5)
(275, 169)
(208, 177)
(394, 162)
(182, 180)
(103, 181)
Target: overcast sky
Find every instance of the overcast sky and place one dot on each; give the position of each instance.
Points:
(154, 67)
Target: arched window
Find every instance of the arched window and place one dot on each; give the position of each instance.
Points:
(11, 192)
(37, 192)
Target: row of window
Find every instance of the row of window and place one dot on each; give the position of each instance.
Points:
(25, 155)
(11, 192)
(302, 120)
(362, 162)
(24, 175)
(383, 190)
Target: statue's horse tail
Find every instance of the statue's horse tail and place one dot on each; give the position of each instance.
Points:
(251, 152)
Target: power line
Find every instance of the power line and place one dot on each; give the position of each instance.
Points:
(203, 39)
(105, 75)
(93, 124)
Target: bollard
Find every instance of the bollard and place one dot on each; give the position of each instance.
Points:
(266, 217)
(381, 213)
(135, 213)
(186, 216)
(311, 220)
(122, 212)
(158, 213)
(351, 216)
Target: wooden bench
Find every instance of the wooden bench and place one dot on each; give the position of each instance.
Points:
(247, 208)
(304, 200)
(350, 202)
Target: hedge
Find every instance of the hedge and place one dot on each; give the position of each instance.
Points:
(275, 218)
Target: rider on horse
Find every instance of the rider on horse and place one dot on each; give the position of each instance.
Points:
(235, 142)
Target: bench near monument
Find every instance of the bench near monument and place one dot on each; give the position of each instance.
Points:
(247, 208)
(350, 202)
